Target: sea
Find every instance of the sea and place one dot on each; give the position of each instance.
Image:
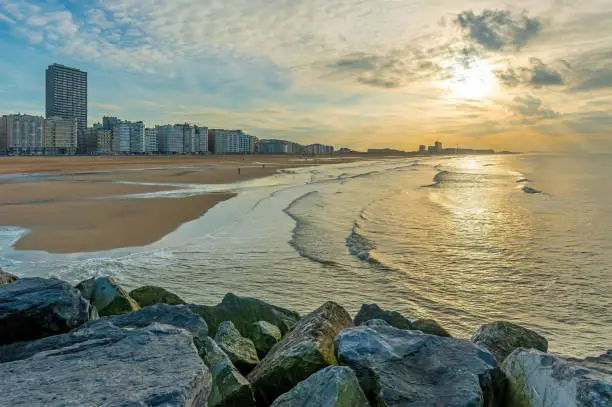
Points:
(463, 240)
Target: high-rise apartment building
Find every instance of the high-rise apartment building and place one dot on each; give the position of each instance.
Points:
(230, 142)
(66, 98)
(22, 134)
(128, 137)
(182, 139)
(151, 141)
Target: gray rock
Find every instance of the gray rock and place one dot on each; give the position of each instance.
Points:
(373, 311)
(334, 386)
(107, 296)
(265, 336)
(430, 327)
(240, 350)
(175, 315)
(375, 322)
(108, 366)
(398, 367)
(178, 316)
(602, 363)
(33, 308)
(243, 312)
(6, 278)
(150, 295)
(502, 338)
(307, 349)
(537, 379)
(229, 387)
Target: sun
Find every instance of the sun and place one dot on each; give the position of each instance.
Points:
(476, 81)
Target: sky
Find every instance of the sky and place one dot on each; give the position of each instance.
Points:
(521, 75)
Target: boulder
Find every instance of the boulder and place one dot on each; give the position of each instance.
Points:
(398, 367)
(537, 379)
(6, 278)
(602, 363)
(373, 311)
(105, 365)
(265, 336)
(334, 386)
(33, 308)
(229, 387)
(243, 312)
(501, 338)
(178, 316)
(430, 327)
(240, 350)
(305, 350)
(375, 322)
(107, 296)
(150, 295)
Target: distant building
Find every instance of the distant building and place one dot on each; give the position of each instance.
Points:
(385, 151)
(128, 137)
(61, 136)
(66, 98)
(222, 141)
(170, 139)
(318, 149)
(150, 136)
(182, 139)
(22, 134)
(345, 150)
(422, 148)
(99, 140)
(438, 146)
(109, 122)
(202, 140)
(271, 146)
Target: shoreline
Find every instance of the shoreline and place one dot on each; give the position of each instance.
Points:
(83, 204)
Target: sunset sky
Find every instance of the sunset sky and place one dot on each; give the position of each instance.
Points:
(522, 75)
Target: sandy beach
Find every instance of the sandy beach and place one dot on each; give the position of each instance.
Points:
(77, 204)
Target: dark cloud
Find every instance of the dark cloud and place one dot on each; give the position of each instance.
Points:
(394, 70)
(498, 30)
(594, 80)
(537, 75)
(531, 109)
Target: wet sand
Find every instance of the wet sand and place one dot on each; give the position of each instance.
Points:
(70, 204)
(95, 225)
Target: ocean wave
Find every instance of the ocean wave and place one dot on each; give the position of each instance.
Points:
(364, 248)
(438, 178)
(301, 224)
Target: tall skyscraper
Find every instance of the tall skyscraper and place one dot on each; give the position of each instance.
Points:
(66, 97)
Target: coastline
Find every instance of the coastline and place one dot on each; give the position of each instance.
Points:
(84, 204)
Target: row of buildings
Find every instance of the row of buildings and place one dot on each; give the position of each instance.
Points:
(64, 130)
(35, 135)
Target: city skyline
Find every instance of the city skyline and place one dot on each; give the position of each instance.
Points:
(525, 77)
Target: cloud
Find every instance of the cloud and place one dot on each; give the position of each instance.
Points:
(596, 122)
(4, 17)
(537, 75)
(594, 80)
(391, 71)
(498, 30)
(531, 110)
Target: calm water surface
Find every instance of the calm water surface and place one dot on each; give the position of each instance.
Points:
(464, 240)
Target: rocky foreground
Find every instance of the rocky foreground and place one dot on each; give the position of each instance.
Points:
(98, 345)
